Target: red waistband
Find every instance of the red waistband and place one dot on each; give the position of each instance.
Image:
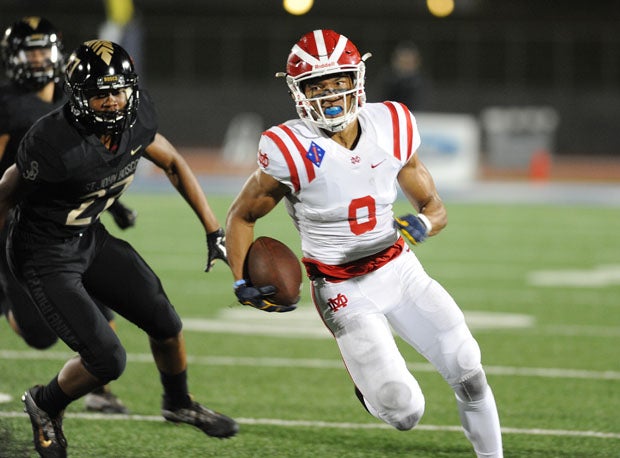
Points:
(362, 266)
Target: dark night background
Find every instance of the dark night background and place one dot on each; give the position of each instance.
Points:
(206, 61)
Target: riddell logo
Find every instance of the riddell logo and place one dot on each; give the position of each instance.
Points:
(325, 65)
(338, 302)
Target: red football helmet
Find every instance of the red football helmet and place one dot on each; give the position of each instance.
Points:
(318, 54)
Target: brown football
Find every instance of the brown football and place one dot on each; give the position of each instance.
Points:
(271, 262)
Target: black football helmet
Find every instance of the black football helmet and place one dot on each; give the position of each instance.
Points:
(99, 66)
(29, 34)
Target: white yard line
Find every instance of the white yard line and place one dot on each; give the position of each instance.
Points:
(544, 372)
(332, 425)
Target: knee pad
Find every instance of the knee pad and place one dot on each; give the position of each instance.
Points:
(472, 388)
(468, 355)
(40, 341)
(400, 408)
(107, 365)
(36, 334)
(167, 325)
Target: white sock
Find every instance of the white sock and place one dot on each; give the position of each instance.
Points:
(481, 423)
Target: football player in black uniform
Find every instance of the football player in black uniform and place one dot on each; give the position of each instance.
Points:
(71, 166)
(31, 51)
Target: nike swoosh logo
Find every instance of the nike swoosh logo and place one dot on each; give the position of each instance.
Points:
(44, 443)
(134, 151)
(372, 166)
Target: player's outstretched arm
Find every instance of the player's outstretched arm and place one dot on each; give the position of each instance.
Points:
(163, 154)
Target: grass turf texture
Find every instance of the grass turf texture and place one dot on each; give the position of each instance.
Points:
(484, 258)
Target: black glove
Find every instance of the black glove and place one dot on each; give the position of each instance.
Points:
(257, 297)
(124, 217)
(216, 248)
(414, 228)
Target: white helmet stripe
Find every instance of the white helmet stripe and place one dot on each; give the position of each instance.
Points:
(320, 44)
(305, 56)
(322, 50)
(339, 49)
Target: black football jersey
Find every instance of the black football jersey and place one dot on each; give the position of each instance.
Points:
(71, 177)
(19, 109)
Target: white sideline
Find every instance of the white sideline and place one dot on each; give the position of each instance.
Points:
(544, 372)
(332, 425)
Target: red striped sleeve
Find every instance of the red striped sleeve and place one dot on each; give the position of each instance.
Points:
(302, 152)
(409, 130)
(287, 156)
(395, 129)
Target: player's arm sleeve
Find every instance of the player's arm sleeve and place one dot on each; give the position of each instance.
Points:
(271, 161)
(38, 162)
(147, 114)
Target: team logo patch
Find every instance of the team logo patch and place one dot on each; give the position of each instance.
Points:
(338, 302)
(32, 172)
(263, 159)
(315, 154)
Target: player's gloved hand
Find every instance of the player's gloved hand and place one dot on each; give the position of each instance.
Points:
(216, 248)
(414, 228)
(123, 217)
(258, 297)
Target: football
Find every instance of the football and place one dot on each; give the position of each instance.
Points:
(271, 262)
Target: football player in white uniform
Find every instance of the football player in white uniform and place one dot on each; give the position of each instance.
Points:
(337, 168)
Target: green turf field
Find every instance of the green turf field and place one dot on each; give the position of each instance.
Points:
(540, 286)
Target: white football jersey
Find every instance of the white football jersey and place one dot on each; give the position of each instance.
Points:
(341, 200)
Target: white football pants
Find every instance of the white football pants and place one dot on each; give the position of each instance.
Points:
(359, 313)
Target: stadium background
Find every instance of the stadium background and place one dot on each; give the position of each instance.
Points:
(538, 279)
(206, 62)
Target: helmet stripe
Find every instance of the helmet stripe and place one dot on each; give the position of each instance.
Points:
(305, 56)
(321, 49)
(339, 49)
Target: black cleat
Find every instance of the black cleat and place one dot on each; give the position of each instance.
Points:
(104, 401)
(49, 439)
(123, 217)
(212, 423)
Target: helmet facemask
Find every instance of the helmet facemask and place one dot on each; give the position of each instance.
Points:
(106, 122)
(310, 110)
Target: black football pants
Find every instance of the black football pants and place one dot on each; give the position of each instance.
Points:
(68, 278)
(14, 298)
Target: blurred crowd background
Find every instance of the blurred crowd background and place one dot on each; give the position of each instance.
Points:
(545, 73)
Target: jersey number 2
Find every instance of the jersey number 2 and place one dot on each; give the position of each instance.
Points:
(77, 217)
